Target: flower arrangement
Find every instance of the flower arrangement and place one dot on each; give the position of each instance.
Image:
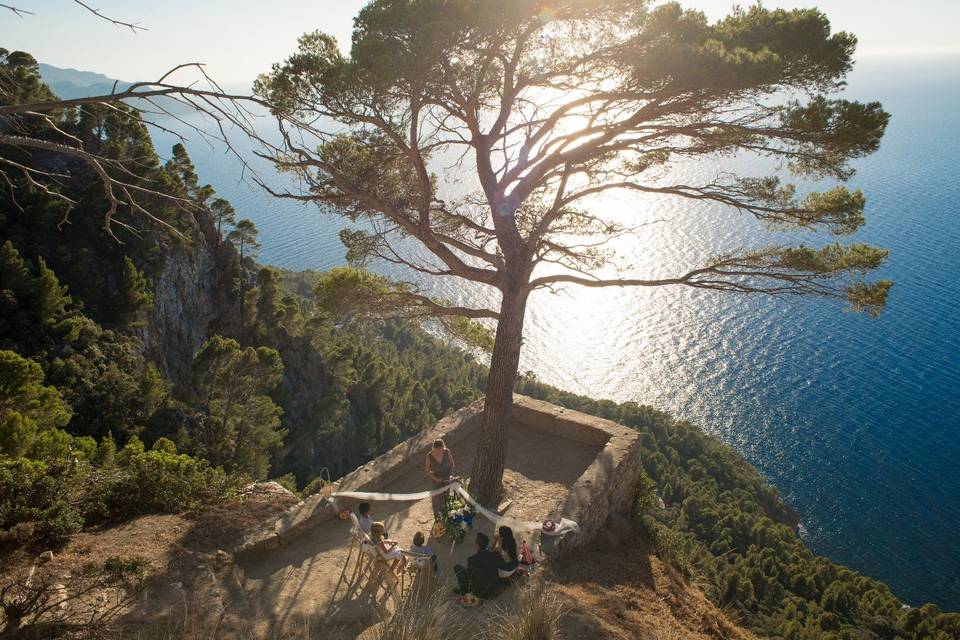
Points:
(457, 518)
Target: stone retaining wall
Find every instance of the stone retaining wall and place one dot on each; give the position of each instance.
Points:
(304, 516)
(608, 485)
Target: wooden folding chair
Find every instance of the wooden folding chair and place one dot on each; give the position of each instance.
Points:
(370, 561)
(419, 567)
(363, 546)
(357, 562)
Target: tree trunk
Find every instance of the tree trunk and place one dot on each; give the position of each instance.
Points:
(487, 474)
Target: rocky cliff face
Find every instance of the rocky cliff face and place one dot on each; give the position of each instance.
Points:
(304, 397)
(195, 295)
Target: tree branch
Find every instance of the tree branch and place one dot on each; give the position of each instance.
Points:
(18, 12)
(120, 23)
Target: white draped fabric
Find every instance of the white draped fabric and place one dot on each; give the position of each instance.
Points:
(396, 497)
(519, 526)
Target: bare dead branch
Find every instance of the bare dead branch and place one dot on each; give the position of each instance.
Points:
(110, 184)
(134, 27)
(18, 12)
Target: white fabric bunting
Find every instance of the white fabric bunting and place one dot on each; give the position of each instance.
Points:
(519, 526)
(396, 497)
(522, 526)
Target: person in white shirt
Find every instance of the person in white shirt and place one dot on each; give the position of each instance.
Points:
(366, 518)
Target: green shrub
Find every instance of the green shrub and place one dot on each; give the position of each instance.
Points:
(165, 445)
(312, 487)
(41, 494)
(45, 501)
(646, 495)
(289, 482)
(26, 488)
(167, 482)
(58, 522)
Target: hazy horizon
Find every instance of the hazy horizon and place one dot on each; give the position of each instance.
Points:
(208, 32)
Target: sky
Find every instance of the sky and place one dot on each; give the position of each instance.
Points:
(238, 39)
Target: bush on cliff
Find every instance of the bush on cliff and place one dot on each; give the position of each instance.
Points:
(53, 483)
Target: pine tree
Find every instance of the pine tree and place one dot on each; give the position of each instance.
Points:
(552, 108)
(244, 237)
(242, 424)
(223, 213)
(14, 272)
(27, 408)
(134, 295)
(268, 306)
(180, 166)
(51, 299)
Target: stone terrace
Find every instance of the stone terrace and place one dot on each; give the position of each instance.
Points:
(560, 463)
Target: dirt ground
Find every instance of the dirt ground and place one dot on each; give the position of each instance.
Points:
(177, 549)
(303, 579)
(158, 539)
(624, 592)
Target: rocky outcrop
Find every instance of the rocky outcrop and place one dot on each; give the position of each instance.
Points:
(294, 522)
(195, 289)
(304, 395)
(269, 489)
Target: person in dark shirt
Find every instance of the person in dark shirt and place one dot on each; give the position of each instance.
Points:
(480, 576)
(506, 545)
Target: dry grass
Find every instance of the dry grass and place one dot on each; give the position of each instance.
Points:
(430, 617)
(433, 617)
(536, 616)
(628, 593)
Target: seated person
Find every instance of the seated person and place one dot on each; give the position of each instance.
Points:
(506, 545)
(421, 548)
(390, 549)
(480, 577)
(365, 517)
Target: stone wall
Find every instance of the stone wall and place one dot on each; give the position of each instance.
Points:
(386, 468)
(304, 516)
(608, 484)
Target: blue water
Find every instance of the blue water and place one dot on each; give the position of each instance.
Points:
(856, 421)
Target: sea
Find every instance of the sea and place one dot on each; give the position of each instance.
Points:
(855, 420)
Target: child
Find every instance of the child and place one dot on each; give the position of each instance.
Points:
(419, 547)
(390, 548)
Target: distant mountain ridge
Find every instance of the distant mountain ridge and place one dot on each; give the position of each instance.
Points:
(72, 83)
(69, 84)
